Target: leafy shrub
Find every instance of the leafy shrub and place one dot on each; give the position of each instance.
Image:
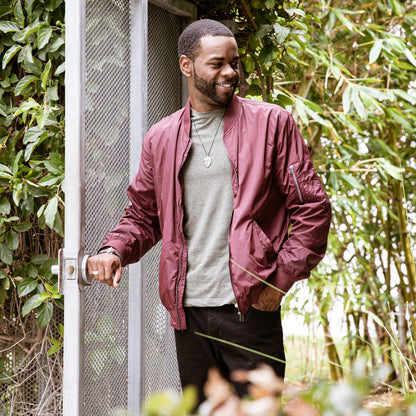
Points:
(31, 158)
(31, 181)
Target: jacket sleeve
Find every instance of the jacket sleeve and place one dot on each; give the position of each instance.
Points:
(138, 229)
(307, 206)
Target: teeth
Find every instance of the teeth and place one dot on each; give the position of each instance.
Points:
(226, 85)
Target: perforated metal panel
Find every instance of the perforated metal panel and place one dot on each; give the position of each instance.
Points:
(164, 97)
(107, 177)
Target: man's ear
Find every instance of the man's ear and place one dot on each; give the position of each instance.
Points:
(186, 66)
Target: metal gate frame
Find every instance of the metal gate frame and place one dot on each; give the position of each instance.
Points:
(71, 269)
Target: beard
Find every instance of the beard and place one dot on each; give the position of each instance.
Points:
(208, 88)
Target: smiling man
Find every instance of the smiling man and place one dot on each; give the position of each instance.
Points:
(221, 182)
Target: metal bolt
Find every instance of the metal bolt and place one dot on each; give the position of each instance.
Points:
(70, 269)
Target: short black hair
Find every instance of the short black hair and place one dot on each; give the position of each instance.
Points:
(189, 41)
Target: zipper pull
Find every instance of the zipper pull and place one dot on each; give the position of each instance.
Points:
(240, 315)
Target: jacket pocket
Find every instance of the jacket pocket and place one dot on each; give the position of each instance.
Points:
(295, 179)
(262, 248)
(305, 183)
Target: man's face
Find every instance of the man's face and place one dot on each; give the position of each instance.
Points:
(214, 73)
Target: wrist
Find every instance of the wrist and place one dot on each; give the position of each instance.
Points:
(110, 250)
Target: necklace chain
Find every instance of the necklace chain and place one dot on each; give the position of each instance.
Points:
(207, 158)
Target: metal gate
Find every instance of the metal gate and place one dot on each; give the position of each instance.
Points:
(122, 76)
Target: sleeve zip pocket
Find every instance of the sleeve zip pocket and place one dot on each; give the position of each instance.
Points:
(292, 172)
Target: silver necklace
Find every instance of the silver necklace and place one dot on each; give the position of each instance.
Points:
(207, 158)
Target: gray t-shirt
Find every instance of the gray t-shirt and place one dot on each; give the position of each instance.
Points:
(208, 197)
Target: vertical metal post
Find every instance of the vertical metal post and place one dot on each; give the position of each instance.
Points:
(138, 127)
(74, 209)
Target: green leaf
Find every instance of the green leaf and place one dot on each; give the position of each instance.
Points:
(55, 44)
(4, 168)
(24, 83)
(340, 15)
(3, 109)
(5, 283)
(300, 109)
(9, 54)
(351, 181)
(56, 346)
(51, 212)
(8, 26)
(30, 304)
(281, 32)
(269, 4)
(263, 31)
(24, 34)
(316, 117)
(394, 171)
(6, 255)
(26, 106)
(397, 7)
(53, 290)
(54, 165)
(26, 286)
(12, 240)
(27, 55)
(44, 35)
(58, 227)
(32, 135)
(29, 7)
(60, 69)
(22, 227)
(403, 94)
(59, 303)
(189, 399)
(266, 54)
(51, 5)
(4, 205)
(346, 99)
(294, 11)
(44, 314)
(358, 104)
(42, 117)
(58, 160)
(376, 50)
(44, 296)
(410, 57)
(18, 13)
(52, 93)
(49, 180)
(39, 259)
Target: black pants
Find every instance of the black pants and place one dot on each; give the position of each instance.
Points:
(260, 331)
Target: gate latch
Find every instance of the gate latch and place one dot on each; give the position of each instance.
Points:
(67, 269)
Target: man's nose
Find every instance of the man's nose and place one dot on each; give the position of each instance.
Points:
(229, 71)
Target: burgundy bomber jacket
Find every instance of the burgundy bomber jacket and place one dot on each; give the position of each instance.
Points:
(276, 189)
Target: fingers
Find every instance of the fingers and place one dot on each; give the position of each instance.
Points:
(117, 277)
(269, 300)
(105, 268)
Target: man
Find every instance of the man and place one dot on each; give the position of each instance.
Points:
(229, 186)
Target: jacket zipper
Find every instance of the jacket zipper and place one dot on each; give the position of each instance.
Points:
(240, 315)
(292, 172)
(182, 247)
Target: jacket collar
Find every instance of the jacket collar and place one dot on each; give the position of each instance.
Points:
(231, 115)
